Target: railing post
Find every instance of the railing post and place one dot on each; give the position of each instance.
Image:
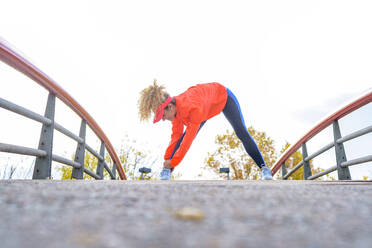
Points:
(78, 173)
(43, 165)
(114, 171)
(343, 173)
(307, 169)
(284, 171)
(101, 165)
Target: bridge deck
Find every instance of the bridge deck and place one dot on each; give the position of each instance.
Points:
(148, 214)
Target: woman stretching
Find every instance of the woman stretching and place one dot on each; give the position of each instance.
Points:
(192, 109)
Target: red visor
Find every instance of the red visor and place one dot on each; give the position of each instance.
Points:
(160, 110)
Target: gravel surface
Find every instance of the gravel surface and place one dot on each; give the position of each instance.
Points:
(36, 213)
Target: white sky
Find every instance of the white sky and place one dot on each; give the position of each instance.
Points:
(288, 62)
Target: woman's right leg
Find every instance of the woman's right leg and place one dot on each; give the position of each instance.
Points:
(233, 114)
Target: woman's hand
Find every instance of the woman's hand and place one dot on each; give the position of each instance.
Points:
(168, 165)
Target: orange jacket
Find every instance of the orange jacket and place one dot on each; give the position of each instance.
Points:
(197, 104)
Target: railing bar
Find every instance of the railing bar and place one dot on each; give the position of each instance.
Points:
(68, 133)
(294, 169)
(91, 150)
(23, 111)
(21, 150)
(322, 150)
(108, 170)
(357, 161)
(65, 161)
(325, 172)
(345, 110)
(92, 174)
(355, 134)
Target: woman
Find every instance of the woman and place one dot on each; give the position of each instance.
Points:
(192, 109)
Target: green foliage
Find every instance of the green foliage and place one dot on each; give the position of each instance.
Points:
(231, 153)
(66, 172)
(90, 163)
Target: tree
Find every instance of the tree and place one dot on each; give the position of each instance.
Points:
(231, 153)
(132, 158)
(16, 167)
(10, 174)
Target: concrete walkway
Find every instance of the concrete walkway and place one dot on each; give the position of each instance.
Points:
(152, 214)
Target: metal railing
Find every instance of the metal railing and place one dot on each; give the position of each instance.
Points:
(44, 155)
(342, 164)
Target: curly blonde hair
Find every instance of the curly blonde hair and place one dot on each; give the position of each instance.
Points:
(150, 99)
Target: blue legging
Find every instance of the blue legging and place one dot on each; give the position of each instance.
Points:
(234, 115)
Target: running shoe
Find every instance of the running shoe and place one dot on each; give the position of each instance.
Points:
(165, 174)
(266, 173)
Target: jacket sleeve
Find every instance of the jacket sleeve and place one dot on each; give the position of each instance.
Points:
(177, 130)
(191, 131)
(192, 128)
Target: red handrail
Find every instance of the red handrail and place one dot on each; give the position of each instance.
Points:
(13, 59)
(361, 101)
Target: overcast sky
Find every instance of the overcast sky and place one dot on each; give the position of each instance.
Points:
(288, 62)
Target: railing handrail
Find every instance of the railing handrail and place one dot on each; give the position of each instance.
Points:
(15, 60)
(347, 109)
